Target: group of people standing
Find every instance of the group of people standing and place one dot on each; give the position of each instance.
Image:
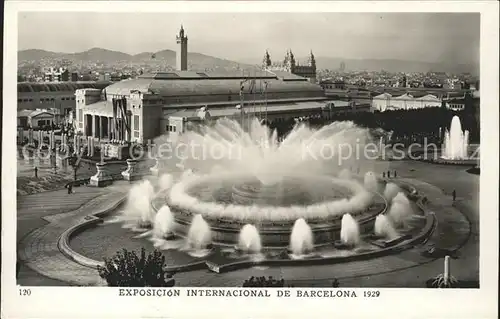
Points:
(395, 175)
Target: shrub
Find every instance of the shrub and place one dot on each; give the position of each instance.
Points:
(128, 269)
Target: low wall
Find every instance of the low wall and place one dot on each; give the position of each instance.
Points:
(89, 221)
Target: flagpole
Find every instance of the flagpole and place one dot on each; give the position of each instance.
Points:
(260, 89)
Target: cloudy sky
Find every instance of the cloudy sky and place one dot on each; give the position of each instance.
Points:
(429, 37)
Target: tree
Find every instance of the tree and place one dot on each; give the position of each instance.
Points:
(75, 163)
(128, 269)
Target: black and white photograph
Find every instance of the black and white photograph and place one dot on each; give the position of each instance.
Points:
(178, 154)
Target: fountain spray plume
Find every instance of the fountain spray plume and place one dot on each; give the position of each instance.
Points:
(371, 182)
(400, 211)
(456, 141)
(349, 231)
(258, 152)
(383, 227)
(166, 181)
(301, 239)
(249, 240)
(199, 234)
(164, 222)
(138, 207)
(391, 190)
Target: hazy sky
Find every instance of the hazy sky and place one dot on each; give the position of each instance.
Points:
(426, 37)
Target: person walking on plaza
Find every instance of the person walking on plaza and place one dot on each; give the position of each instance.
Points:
(36, 172)
(395, 174)
(388, 174)
(454, 194)
(383, 174)
(70, 188)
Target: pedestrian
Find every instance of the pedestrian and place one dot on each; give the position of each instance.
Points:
(388, 174)
(395, 174)
(335, 283)
(36, 172)
(383, 174)
(70, 188)
(454, 194)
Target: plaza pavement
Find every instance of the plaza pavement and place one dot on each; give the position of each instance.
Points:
(42, 218)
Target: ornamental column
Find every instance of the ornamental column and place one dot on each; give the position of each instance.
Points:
(101, 135)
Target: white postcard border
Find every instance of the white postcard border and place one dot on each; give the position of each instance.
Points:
(65, 302)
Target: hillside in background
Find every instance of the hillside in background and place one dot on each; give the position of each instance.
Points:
(391, 65)
(108, 57)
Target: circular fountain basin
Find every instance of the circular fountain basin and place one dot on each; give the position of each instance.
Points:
(438, 157)
(275, 231)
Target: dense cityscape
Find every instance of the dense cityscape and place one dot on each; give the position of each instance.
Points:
(95, 65)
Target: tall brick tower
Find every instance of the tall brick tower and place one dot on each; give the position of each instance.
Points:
(182, 51)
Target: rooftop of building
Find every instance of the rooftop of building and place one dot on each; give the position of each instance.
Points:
(189, 84)
(221, 74)
(26, 87)
(408, 95)
(33, 113)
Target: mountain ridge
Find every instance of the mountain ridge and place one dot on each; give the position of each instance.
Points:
(100, 55)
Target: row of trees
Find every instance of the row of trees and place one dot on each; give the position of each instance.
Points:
(405, 124)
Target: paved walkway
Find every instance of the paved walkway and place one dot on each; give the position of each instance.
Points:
(38, 249)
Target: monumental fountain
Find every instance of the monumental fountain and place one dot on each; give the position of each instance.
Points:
(245, 199)
(247, 193)
(283, 192)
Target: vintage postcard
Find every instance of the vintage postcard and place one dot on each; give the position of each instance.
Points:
(250, 159)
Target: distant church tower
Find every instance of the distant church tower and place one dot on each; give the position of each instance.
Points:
(290, 65)
(312, 64)
(182, 51)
